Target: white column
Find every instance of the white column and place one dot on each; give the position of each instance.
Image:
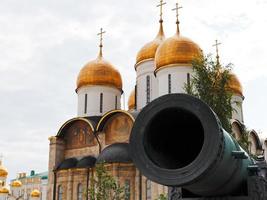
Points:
(146, 83)
(97, 100)
(237, 105)
(173, 79)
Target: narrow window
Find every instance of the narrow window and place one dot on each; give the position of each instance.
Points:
(79, 192)
(148, 190)
(147, 89)
(116, 102)
(101, 103)
(127, 189)
(85, 104)
(60, 193)
(169, 83)
(188, 79)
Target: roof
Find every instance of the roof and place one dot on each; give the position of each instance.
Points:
(71, 163)
(115, 153)
(42, 175)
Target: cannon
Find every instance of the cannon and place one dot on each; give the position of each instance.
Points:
(178, 141)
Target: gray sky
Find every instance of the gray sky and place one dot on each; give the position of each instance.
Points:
(44, 44)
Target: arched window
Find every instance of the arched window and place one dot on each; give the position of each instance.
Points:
(85, 104)
(147, 89)
(127, 189)
(60, 193)
(148, 190)
(169, 83)
(101, 102)
(116, 102)
(79, 192)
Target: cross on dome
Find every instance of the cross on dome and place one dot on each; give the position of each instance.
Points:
(217, 50)
(161, 4)
(177, 8)
(101, 41)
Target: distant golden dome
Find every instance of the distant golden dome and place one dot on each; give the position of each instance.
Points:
(99, 72)
(4, 190)
(148, 51)
(234, 85)
(131, 101)
(176, 50)
(3, 171)
(16, 183)
(35, 193)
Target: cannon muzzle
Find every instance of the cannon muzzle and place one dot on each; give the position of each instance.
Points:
(177, 140)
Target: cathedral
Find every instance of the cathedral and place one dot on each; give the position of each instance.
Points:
(100, 131)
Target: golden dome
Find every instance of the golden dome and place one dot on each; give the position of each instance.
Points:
(4, 190)
(131, 101)
(35, 193)
(176, 50)
(16, 183)
(148, 51)
(234, 85)
(99, 72)
(3, 171)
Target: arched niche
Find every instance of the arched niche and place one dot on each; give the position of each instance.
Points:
(254, 143)
(77, 133)
(237, 129)
(117, 126)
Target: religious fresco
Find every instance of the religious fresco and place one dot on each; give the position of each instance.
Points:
(79, 135)
(118, 128)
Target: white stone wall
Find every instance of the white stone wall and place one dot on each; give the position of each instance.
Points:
(178, 79)
(142, 71)
(237, 105)
(93, 100)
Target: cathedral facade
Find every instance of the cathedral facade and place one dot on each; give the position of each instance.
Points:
(100, 131)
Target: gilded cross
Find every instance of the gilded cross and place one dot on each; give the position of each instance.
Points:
(101, 36)
(217, 49)
(101, 41)
(177, 8)
(161, 4)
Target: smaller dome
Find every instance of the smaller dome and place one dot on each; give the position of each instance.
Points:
(176, 50)
(4, 190)
(234, 85)
(148, 51)
(3, 171)
(35, 193)
(131, 101)
(86, 162)
(115, 153)
(68, 164)
(99, 72)
(16, 183)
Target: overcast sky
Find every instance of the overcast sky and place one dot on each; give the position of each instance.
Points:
(44, 44)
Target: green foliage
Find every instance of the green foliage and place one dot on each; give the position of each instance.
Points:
(210, 84)
(103, 186)
(162, 197)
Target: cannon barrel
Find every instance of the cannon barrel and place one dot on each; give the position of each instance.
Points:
(177, 140)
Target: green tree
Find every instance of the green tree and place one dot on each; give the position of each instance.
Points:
(162, 197)
(210, 84)
(103, 186)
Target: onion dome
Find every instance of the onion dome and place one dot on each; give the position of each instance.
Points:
(148, 51)
(4, 190)
(131, 101)
(115, 153)
(35, 193)
(99, 73)
(3, 171)
(176, 50)
(234, 85)
(16, 183)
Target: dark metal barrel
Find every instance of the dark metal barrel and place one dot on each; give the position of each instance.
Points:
(177, 140)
